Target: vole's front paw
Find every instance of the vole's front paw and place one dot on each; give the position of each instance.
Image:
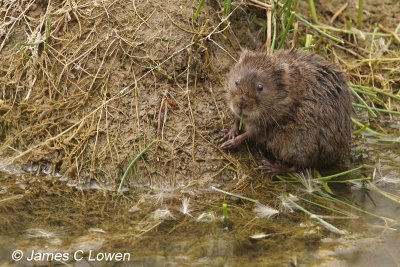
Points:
(236, 141)
(232, 133)
(230, 144)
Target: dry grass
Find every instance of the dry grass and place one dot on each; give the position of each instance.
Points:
(74, 75)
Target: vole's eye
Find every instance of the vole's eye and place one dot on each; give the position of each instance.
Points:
(260, 87)
(237, 82)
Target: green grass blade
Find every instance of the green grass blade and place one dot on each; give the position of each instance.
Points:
(287, 28)
(133, 162)
(345, 213)
(383, 193)
(307, 23)
(327, 225)
(363, 102)
(241, 123)
(227, 7)
(313, 10)
(335, 200)
(198, 9)
(286, 6)
(376, 90)
(386, 111)
(327, 178)
(360, 13)
(225, 211)
(234, 195)
(363, 92)
(367, 129)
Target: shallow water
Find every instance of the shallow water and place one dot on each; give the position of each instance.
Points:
(49, 221)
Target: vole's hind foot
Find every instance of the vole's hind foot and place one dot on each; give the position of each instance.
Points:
(268, 167)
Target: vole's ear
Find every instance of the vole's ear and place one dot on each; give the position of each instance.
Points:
(225, 75)
(285, 73)
(244, 54)
(281, 76)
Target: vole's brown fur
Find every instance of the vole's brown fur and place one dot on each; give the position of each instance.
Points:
(293, 103)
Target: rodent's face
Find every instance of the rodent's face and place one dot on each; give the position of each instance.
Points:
(244, 93)
(255, 94)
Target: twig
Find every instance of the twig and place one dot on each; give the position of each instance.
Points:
(162, 114)
(340, 11)
(395, 36)
(265, 5)
(15, 22)
(137, 14)
(269, 31)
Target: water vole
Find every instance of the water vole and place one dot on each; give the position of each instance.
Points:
(295, 104)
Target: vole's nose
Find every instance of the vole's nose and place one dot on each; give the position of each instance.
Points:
(241, 104)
